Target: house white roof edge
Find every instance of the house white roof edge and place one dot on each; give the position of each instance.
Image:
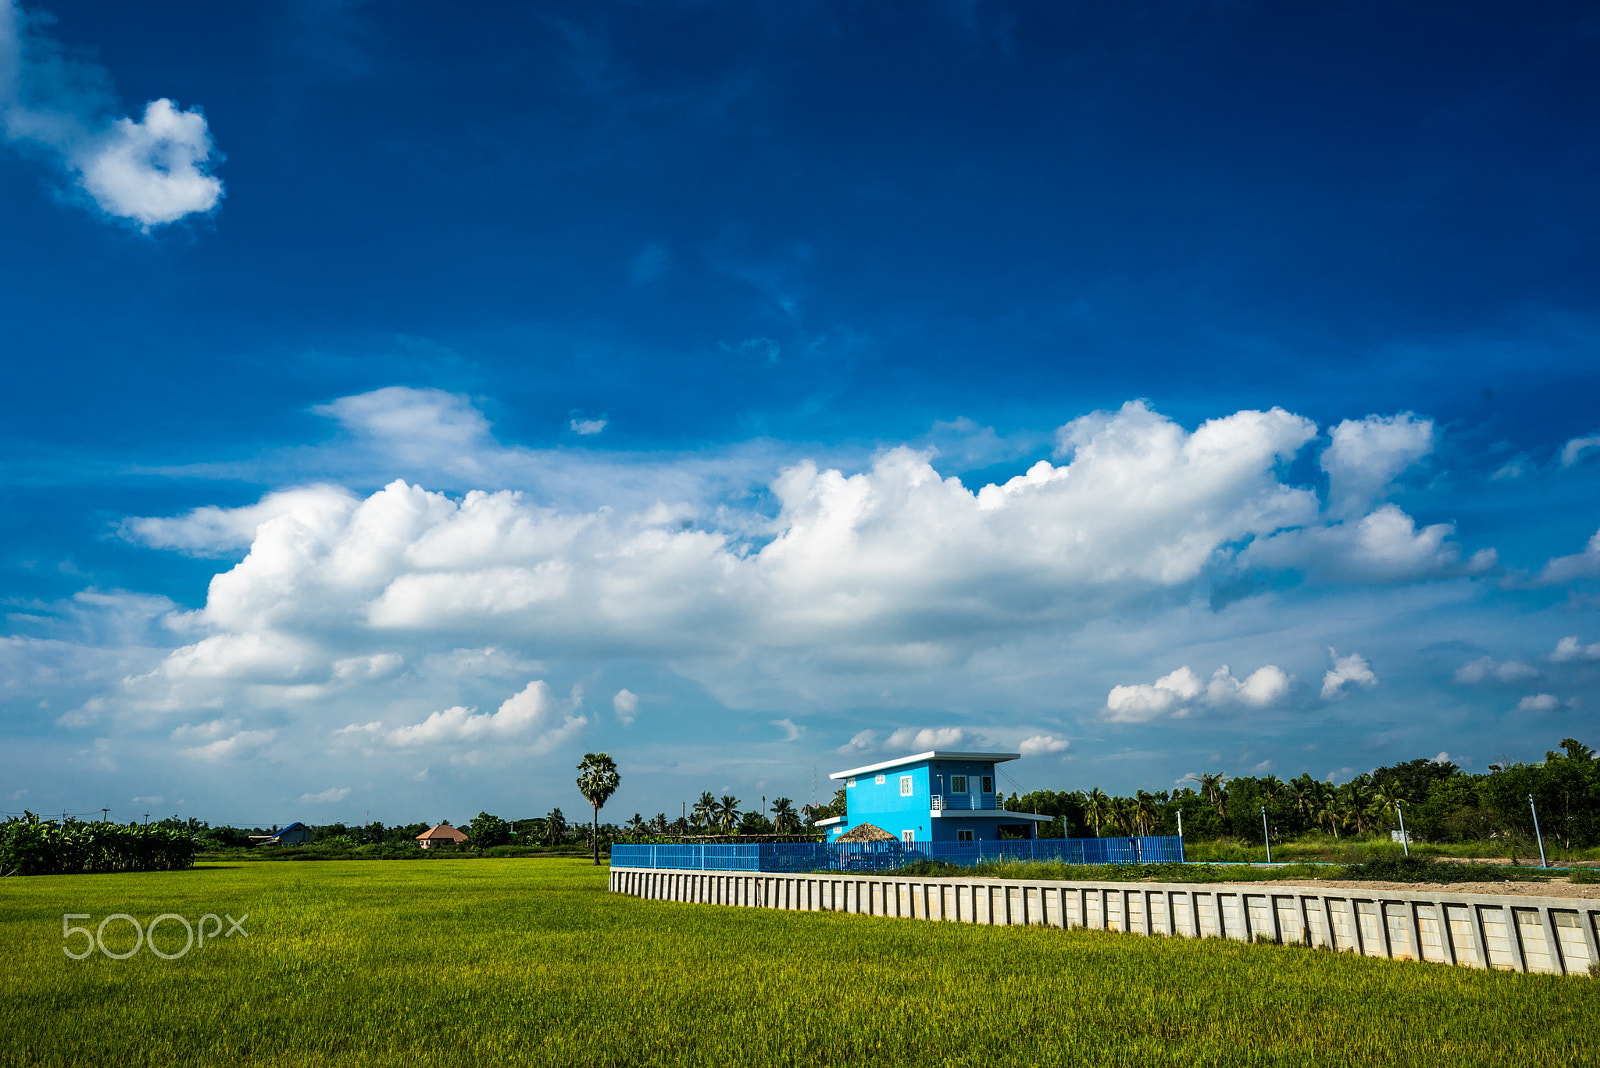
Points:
(829, 822)
(917, 758)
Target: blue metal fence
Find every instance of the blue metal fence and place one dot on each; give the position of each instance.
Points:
(795, 857)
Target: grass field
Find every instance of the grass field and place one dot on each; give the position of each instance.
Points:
(533, 962)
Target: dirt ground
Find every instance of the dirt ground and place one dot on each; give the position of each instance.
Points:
(1554, 888)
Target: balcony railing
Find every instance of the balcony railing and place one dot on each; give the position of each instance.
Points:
(968, 801)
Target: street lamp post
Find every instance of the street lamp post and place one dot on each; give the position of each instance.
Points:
(1267, 835)
(1405, 839)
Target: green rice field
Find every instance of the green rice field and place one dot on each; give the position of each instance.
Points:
(524, 961)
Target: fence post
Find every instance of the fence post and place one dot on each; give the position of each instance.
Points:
(1537, 833)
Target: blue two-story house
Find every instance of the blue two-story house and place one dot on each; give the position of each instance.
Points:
(937, 796)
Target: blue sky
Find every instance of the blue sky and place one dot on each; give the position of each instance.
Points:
(402, 401)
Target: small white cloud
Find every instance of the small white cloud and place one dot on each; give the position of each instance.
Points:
(1351, 670)
(791, 733)
(1040, 744)
(1569, 649)
(421, 776)
(154, 171)
(1573, 450)
(375, 727)
(1173, 695)
(626, 705)
(238, 745)
(327, 796)
(1486, 668)
(1368, 454)
(205, 732)
(529, 716)
(1139, 703)
(1264, 687)
(587, 427)
(1539, 702)
(156, 800)
(1577, 566)
(860, 742)
(919, 741)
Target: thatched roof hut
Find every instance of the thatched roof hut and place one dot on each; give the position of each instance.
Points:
(866, 832)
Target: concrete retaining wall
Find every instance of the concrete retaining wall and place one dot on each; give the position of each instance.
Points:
(1524, 934)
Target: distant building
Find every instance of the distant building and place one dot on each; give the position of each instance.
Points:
(937, 796)
(294, 834)
(443, 834)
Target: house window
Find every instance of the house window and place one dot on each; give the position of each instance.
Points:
(905, 788)
(878, 780)
(963, 836)
(850, 782)
(908, 837)
(988, 784)
(958, 784)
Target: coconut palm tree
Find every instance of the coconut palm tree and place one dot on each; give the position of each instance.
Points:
(784, 818)
(1211, 785)
(700, 815)
(726, 813)
(1096, 809)
(636, 825)
(1145, 810)
(598, 779)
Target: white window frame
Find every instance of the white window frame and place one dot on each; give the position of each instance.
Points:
(878, 780)
(850, 782)
(908, 786)
(958, 784)
(908, 837)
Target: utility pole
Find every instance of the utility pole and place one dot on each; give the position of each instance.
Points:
(1265, 833)
(147, 819)
(105, 814)
(1405, 839)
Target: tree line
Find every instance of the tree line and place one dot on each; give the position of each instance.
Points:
(1438, 801)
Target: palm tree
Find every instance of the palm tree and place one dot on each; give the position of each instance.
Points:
(1096, 809)
(636, 825)
(1211, 785)
(703, 809)
(1144, 810)
(727, 813)
(784, 819)
(598, 779)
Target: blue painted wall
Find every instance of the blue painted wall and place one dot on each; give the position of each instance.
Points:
(883, 805)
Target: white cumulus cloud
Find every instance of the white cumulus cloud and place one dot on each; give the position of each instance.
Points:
(1539, 702)
(626, 706)
(1577, 566)
(1485, 669)
(1177, 693)
(1368, 454)
(154, 170)
(1570, 648)
(529, 717)
(327, 797)
(1351, 670)
(913, 740)
(1383, 546)
(1042, 744)
(588, 427)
